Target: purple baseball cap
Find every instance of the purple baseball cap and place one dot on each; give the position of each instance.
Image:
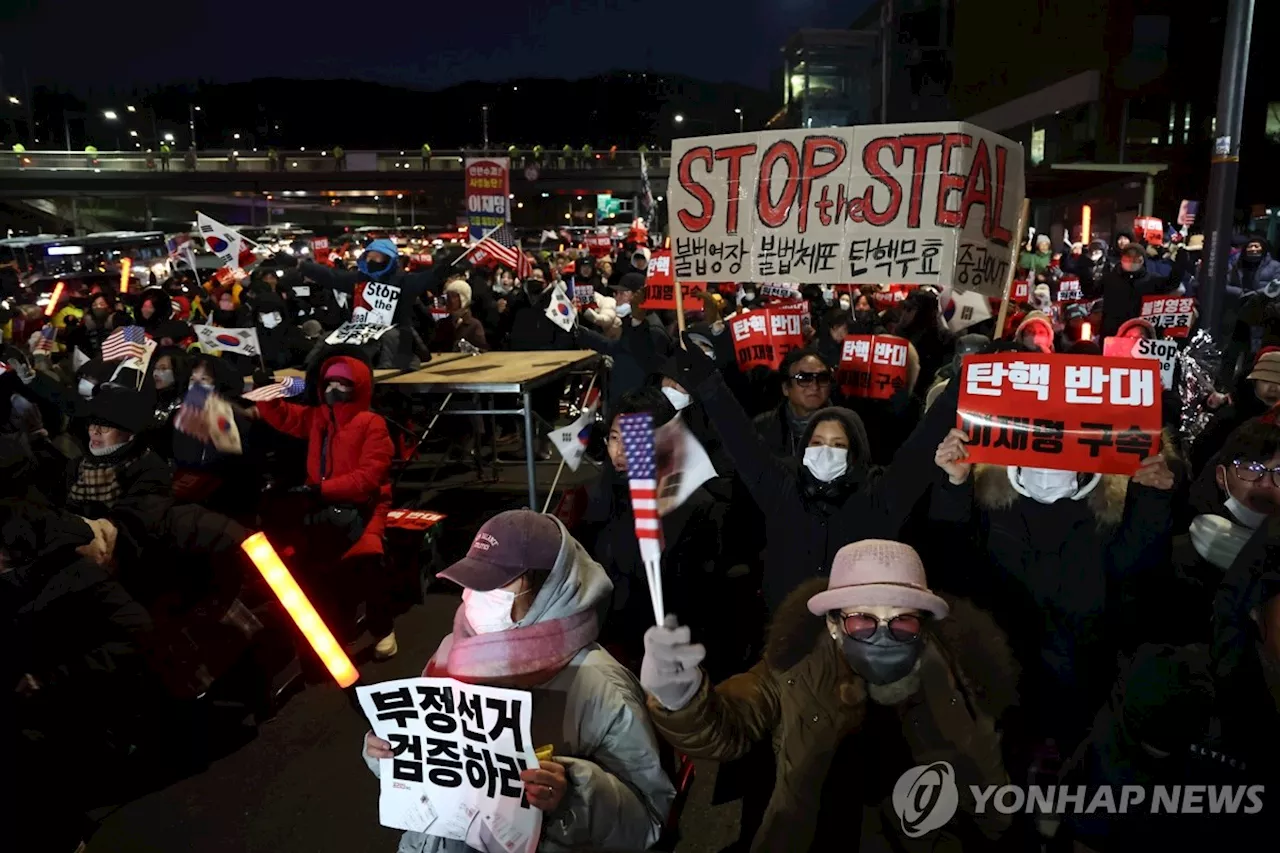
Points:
(506, 546)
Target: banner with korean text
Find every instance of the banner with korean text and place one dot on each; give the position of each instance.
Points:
(1172, 314)
(762, 338)
(873, 366)
(458, 753)
(931, 203)
(488, 189)
(659, 286)
(1082, 413)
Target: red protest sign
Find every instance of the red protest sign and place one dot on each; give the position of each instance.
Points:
(1150, 229)
(1083, 413)
(599, 245)
(1069, 289)
(1021, 291)
(659, 271)
(892, 295)
(584, 295)
(1173, 314)
(662, 297)
(873, 366)
(762, 338)
(320, 249)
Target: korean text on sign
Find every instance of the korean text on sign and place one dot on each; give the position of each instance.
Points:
(873, 366)
(763, 338)
(1173, 314)
(487, 190)
(458, 753)
(1082, 413)
(917, 203)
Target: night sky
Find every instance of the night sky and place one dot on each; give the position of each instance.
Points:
(421, 44)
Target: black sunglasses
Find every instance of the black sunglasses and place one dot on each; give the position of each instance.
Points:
(804, 380)
(905, 627)
(1254, 472)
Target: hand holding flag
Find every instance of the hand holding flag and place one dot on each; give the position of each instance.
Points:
(642, 474)
(125, 342)
(288, 387)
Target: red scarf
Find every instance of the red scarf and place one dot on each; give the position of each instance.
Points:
(518, 657)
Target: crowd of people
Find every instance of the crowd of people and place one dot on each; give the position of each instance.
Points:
(848, 597)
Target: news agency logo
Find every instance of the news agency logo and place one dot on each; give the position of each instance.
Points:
(926, 797)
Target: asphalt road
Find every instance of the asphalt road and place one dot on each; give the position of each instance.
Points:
(300, 784)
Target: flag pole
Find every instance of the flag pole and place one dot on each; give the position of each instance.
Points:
(560, 470)
(679, 314)
(1023, 215)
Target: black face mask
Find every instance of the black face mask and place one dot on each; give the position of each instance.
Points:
(882, 659)
(1253, 256)
(101, 314)
(534, 288)
(866, 317)
(224, 318)
(376, 268)
(337, 395)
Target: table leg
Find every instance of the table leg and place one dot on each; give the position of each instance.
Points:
(529, 460)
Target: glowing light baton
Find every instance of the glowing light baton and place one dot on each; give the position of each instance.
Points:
(126, 267)
(53, 300)
(300, 610)
(1086, 220)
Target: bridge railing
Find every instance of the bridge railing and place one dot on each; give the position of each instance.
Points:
(313, 161)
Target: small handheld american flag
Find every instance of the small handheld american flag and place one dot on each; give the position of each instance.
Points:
(642, 474)
(125, 342)
(288, 387)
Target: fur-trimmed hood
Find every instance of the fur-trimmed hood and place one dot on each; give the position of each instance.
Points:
(978, 649)
(992, 489)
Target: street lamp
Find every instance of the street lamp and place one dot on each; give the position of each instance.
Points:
(109, 115)
(679, 118)
(131, 108)
(168, 137)
(235, 136)
(738, 112)
(13, 99)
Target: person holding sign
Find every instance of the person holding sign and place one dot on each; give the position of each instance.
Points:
(1060, 545)
(1124, 285)
(834, 497)
(864, 675)
(531, 607)
(381, 294)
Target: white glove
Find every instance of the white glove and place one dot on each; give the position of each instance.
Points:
(670, 668)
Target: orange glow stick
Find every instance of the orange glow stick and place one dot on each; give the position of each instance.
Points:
(53, 300)
(1086, 219)
(300, 610)
(126, 266)
(1086, 331)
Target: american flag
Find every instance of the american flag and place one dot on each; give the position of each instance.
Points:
(288, 387)
(501, 245)
(642, 472)
(125, 342)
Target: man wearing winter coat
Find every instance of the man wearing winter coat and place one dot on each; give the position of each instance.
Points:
(1057, 550)
(379, 291)
(1124, 285)
(865, 676)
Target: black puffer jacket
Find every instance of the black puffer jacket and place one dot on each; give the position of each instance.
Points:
(806, 521)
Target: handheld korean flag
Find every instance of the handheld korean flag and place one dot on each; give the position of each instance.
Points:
(242, 341)
(208, 418)
(221, 240)
(572, 440)
(561, 310)
(642, 472)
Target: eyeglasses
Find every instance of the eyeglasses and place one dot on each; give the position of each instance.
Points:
(905, 627)
(804, 380)
(1254, 472)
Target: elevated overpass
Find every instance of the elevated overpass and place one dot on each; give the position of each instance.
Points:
(54, 174)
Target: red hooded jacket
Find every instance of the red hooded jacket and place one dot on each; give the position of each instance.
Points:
(348, 450)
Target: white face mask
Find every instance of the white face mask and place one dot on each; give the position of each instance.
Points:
(270, 321)
(106, 449)
(845, 304)
(1046, 485)
(489, 612)
(679, 399)
(624, 309)
(826, 463)
(86, 388)
(1250, 518)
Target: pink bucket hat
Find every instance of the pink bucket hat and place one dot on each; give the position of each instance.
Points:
(877, 572)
